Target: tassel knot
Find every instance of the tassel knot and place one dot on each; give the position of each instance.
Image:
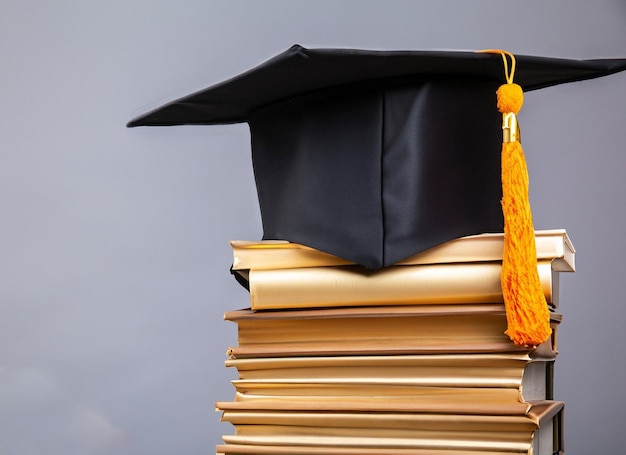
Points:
(510, 98)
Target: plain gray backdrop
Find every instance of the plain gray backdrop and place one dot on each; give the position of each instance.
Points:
(114, 251)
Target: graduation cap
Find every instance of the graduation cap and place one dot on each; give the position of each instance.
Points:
(374, 156)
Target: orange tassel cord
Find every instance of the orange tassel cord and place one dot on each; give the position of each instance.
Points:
(528, 317)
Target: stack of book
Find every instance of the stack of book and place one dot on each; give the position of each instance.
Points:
(333, 358)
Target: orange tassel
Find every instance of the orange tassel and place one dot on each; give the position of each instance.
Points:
(527, 311)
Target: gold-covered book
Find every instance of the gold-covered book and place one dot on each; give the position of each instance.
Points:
(302, 432)
(553, 245)
(407, 329)
(283, 275)
(315, 287)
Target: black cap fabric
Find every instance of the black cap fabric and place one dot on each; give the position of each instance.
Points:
(374, 156)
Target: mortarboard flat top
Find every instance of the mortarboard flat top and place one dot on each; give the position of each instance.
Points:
(374, 156)
(299, 71)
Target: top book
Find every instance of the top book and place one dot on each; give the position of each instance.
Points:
(552, 245)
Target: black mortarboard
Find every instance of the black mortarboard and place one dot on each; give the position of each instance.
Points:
(374, 156)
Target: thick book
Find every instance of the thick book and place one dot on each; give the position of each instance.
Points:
(365, 386)
(537, 432)
(249, 449)
(553, 245)
(317, 287)
(438, 401)
(377, 330)
(528, 377)
(269, 449)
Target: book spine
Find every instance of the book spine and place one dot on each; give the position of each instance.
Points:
(400, 285)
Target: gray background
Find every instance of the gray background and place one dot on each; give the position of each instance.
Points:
(113, 242)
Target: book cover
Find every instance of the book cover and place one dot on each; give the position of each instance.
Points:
(539, 432)
(553, 245)
(529, 376)
(410, 329)
(316, 287)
